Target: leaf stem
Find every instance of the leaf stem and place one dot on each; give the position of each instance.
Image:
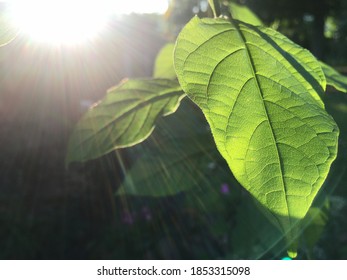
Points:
(215, 6)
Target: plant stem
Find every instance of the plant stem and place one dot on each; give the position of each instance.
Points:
(215, 5)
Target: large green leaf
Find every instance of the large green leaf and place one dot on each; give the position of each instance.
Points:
(260, 95)
(179, 155)
(334, 78)
(125, 117)
(163, 67)
(242, 12)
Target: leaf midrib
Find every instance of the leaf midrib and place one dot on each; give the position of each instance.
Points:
(252, 68)
(134, 108)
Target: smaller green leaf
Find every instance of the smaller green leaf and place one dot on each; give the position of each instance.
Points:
(331, 27)
(163, 67)
(125, 117)
(243, 13)
(334, 78)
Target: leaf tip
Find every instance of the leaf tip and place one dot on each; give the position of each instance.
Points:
(292, 253)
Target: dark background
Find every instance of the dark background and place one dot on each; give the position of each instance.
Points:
(49, 212)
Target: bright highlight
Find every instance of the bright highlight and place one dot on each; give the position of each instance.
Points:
(60, 22)
(73, 21)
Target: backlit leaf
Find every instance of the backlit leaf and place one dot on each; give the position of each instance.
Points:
(260, 95)
(334, 78)
(242, 12)
(125, 117)
(163, 67)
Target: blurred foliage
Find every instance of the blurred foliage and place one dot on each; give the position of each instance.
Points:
(48, 212)
(318, 25)
(163, 67)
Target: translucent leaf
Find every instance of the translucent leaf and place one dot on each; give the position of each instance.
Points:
(243, 13)
(178, 156)
(334, 78)
(163, 67)
(125, 117)
(260, 95)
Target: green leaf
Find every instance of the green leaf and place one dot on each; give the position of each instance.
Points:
(334, 78)
(260, 95)
(215, 6)
(8, 31)
(125, 117)
(243, 13)
(163, 67)
(175, 158)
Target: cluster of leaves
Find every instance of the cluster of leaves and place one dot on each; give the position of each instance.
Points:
(261, 96)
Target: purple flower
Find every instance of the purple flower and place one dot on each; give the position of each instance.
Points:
(127, 218)
(224, 189)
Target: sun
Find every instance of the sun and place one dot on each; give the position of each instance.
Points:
(59, 22)
(73, 21)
